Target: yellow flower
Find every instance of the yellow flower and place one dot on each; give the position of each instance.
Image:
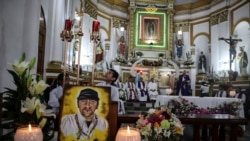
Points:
(20, 67)
(41, 86)
(29, 105)
(179, 130)
(43, 122)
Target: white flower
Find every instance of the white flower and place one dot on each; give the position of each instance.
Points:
(37, 88)
(46, 112)
(151, 111)
(20, 67)
(29, 105)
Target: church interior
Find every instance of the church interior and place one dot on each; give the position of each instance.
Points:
(161, 49)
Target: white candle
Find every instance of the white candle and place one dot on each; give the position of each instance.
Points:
(128, 134)
(29, 133)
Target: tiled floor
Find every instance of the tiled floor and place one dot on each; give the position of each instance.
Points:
(246, 136)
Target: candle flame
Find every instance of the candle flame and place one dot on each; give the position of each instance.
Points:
(30, 128)
(128, 130)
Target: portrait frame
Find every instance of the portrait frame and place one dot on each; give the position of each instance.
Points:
(106, 110)
(144, 31)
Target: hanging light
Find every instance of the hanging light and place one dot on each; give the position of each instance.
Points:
(121, 28)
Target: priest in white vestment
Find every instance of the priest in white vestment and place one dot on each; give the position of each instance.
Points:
(152, 89)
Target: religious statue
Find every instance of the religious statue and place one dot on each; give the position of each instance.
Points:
(75, 54)
(179, 46)
(232, 50)
(99, 55)
(151, 28)
(202, 62)
(122, 47)
(243, 61)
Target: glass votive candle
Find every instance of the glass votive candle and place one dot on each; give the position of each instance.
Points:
(28, 133)
(128, 134)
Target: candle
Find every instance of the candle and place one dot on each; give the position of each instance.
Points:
(95, 26)
(68, 24)
(128, 134)
(28, 133)
(169, 91)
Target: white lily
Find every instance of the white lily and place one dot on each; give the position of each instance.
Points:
(37, 88)
(20, 67)
(151, 111)
(46, 112)
(40, 87)
(29, 105)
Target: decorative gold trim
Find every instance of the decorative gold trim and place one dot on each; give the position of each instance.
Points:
(232, 16)
(192, 36)
(91, 9)
(131, 31)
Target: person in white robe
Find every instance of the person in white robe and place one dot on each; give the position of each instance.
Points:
(152, 89)
(131, 89)
(221, 92)
(142, 90)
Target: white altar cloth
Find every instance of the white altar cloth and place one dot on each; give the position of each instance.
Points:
(202, 102)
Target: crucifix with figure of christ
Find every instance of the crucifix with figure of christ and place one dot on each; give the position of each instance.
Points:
(232, 51)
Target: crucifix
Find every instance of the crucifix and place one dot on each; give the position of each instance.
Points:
(232, 50)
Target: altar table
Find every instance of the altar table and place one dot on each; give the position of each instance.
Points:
(202, 102)
(216, 121)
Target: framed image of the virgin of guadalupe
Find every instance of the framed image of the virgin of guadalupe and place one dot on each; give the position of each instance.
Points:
(85, 114)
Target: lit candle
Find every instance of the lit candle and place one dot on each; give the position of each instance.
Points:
(95, 26)
(68, 24)
(28, 133)
(169, 91)
(128, 134)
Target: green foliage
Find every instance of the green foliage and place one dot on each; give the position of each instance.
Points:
(13, 99)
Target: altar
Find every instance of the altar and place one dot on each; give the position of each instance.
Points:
(202, 102)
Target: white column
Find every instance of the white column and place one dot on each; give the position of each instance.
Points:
(55, 25)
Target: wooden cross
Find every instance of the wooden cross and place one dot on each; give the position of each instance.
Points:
(232, 50)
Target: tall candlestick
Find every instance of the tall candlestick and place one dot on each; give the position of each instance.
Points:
(28, 133)
(95, 26)
(128, 134)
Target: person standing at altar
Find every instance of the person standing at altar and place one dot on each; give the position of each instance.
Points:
(121, 89)
(152, 89)
(183, 87)
(204, 89)
(142, 90)
(240, 95)
(172, 80)
(221, 92)
(131, 89)
(110, 78)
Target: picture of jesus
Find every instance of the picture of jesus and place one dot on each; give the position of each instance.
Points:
(150, 28)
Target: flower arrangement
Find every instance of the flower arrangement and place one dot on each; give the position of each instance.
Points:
(24, 105)
(182, 107)
(160, 125)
